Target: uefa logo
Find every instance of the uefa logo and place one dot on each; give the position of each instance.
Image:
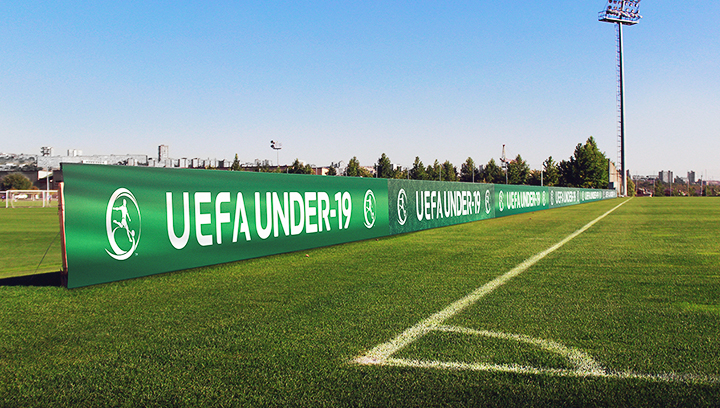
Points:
(487, 201)
(122, 224)
(501, 199)
(369, 205)
(401, 207)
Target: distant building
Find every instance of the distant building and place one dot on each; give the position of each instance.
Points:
(666, 176)
(691, 177)
(163, 153)
(53, 162)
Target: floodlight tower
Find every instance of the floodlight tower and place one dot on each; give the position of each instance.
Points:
(621, 12)
(276, 146)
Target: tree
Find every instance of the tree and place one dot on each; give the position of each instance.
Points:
(15, 181)
(567, 176)
(235, 164)
(659, 190)
(353, 169)
(493, 173)
(332, 171)
(630, 188)
(298, 168)
(468, 171)
(434, 171)
(587, 168)
(535, 178)
(449, 171)
(384, 167)
(552, 173)
(518, 171)
(417, 172)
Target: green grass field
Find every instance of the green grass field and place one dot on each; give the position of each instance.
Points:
(637, 294)
(25, 236)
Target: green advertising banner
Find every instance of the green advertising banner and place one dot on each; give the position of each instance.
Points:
(417, 205)
(561, 196)
(517, 199)
(126, 222)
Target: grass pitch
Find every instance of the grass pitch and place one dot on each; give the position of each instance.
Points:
(639, 291)
(29, 241)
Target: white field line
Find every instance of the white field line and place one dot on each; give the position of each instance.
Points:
(584, 364)
(559, 372)
(381, 353)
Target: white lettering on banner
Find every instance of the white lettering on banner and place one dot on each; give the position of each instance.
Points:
(323, 213)
(202, 219)
(565, 197)
(221, 217)
(178, 243)
(310, 212)
(593, 195)
(263, 233)
(426, 204)
(240, 212)
(523, 199)
(344, 203)
(288, 213)
(279, 215)
(295, 198)
(431, 205)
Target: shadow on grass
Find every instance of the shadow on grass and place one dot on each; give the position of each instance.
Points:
(40, 279)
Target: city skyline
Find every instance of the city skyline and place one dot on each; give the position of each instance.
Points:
(334, 81)
(164, 159)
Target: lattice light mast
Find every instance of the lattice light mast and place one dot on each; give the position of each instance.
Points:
(275, 145)
(621, 12)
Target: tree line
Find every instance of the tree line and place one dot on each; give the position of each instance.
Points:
(586, 168)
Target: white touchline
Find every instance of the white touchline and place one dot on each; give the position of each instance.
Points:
(381, 353)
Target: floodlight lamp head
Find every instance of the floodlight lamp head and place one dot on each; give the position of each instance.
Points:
(621, 11)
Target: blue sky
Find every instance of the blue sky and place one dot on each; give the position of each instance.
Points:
(333, 80)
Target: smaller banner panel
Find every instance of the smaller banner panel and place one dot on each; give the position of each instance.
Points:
(126, 222)
(516, 199)
(418, 205)
(562, 196)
